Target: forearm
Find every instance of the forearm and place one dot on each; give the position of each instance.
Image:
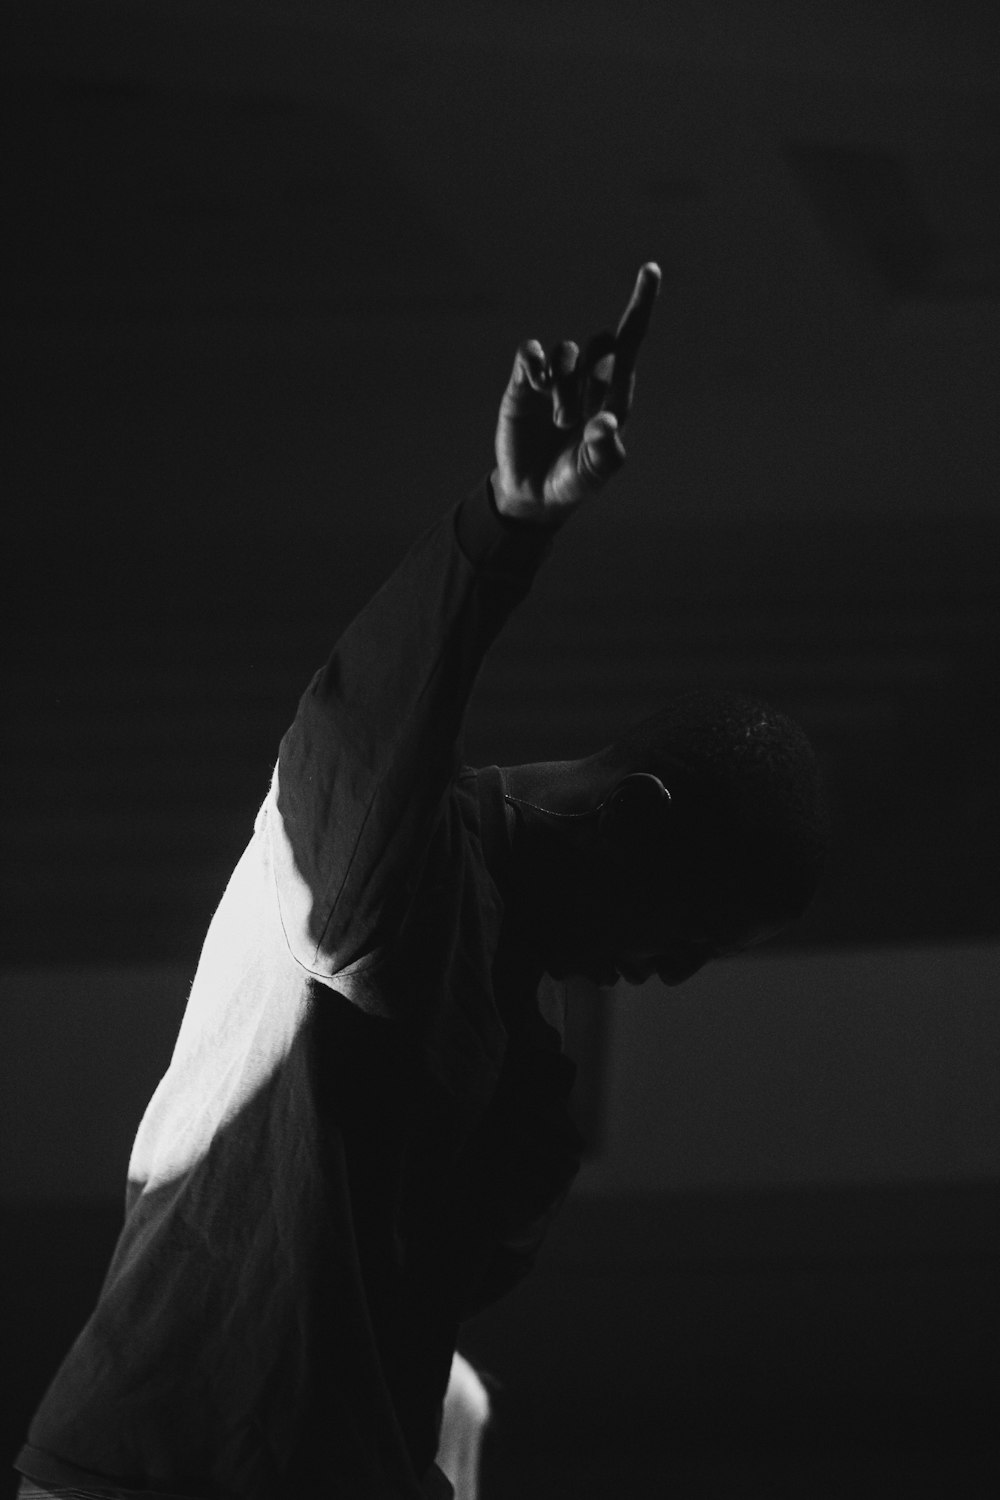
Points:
(376, 742)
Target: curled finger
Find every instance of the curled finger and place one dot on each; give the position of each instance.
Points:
(530, 368)
(601, 452)
(620, 391)
(565, 383)
(596, 367)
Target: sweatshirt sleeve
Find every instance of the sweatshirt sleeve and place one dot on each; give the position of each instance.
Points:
(375, 744)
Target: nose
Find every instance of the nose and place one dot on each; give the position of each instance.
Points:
(635, 970)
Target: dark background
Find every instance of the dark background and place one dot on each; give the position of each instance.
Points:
(268, 269)
(267, 266)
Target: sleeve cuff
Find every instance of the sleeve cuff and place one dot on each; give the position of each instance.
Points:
(498, 543)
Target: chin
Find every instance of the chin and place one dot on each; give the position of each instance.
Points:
(602, 974)
(576, 962)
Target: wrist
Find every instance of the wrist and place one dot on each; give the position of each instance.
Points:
(518, 508)
(495, 544)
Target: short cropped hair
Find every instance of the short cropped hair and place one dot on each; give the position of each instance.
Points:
(750, 779)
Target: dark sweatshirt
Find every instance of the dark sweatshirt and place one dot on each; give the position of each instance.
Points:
(362, 1133)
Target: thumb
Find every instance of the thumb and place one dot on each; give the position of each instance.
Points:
(601, 452)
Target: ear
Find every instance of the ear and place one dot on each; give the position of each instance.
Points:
(635, 814)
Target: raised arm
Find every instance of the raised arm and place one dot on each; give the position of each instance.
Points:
(375, 745)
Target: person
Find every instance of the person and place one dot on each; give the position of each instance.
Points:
(364, 1130)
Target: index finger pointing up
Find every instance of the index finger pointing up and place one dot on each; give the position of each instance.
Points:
(635, 319)
(629, 337)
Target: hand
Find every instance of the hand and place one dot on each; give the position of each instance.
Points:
(558, 436)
